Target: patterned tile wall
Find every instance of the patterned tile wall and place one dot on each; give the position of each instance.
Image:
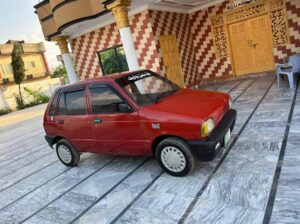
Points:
(293, 14)
(85, 47)
(178, 24)
(195, 42)
(209, 66)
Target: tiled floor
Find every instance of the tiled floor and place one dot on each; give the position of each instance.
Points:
(254, 180)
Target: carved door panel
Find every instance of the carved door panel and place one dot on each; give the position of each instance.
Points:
(241, 52)
(251, 46)
(260, 43)
(171, 59)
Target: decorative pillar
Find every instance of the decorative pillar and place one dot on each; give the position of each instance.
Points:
(119, 9)
(63, 46)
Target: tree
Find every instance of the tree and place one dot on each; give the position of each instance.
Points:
(60, 71)
(18, 67)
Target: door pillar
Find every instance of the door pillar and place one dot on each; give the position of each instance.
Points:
(67, 59)
(119, 9)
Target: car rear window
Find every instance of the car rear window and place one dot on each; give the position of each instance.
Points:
(104, 100)
(75, 103)
(52, 110)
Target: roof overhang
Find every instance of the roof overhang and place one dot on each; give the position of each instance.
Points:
(76, 17)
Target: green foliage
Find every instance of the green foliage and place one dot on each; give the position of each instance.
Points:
(20, 103)
(38, 97)
(18, 67)
(60, 71)
(113, 61)
(5, 111)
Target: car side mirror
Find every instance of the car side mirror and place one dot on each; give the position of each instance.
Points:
(124, 108)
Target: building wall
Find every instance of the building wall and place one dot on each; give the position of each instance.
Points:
(177, 24)
(209, 66)
(9, 92)
(39, 70)
(194, 35)
(293, 14)
(85, 47)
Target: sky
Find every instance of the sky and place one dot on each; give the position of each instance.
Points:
(19, 22)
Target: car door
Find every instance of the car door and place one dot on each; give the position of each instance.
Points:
(116, 127)
(73, 120)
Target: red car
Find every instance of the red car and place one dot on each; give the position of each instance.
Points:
(138, 113)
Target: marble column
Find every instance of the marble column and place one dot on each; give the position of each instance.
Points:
(63, 46)
(119, 9)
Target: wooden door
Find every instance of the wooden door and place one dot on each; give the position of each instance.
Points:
(242, 57)
(171, 59)
(261, 45)
(251, 46)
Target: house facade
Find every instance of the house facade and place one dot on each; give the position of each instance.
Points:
(34, 61)
(187, 41)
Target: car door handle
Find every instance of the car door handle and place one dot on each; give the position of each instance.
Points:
(97, 120)
(60, 121)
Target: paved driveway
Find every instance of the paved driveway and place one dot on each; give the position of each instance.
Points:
(255, 179)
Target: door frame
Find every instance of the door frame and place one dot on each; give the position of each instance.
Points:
(181, 73)
(266, 14)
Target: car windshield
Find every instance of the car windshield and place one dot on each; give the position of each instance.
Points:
(146, 87)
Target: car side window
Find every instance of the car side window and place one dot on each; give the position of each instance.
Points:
(62, 105)
(53, 106)
(75, 103)
(104, 100)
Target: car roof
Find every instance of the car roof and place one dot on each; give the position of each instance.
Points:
(93, 80)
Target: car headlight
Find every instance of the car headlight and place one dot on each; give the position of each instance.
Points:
(207, 127)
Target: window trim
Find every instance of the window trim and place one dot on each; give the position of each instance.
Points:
(58, 93)
(107, 85)
(60, 98)
(115, 51)
(64, 92)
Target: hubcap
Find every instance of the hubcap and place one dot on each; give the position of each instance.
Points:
(173, 159)
(64, 154)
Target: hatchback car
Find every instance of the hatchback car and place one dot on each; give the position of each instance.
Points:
(136, 114)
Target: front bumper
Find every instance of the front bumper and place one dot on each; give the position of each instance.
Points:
(206, 150)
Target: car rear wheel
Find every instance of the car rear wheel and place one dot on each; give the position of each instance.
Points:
(66, 153)
(175, 157)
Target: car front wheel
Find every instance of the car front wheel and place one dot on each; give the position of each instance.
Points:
(175, 157)
(66, 153)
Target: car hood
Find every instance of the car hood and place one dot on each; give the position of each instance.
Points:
(191, 103)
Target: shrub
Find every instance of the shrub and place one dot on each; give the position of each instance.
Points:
(38, 97)
(5, 111)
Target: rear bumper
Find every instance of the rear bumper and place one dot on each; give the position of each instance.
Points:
(206, 150)
(50, 139)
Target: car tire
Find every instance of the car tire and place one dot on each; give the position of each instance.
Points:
(66, 153)
(175, 157)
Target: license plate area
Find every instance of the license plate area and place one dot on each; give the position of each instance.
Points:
(227, 137)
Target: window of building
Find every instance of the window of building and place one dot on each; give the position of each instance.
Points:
(31, 64)
(104, 100)
(75, 103)
(113, 60)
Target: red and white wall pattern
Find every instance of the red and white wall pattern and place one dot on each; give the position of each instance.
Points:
(85, 47)
(194, 38)
(293, 14)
